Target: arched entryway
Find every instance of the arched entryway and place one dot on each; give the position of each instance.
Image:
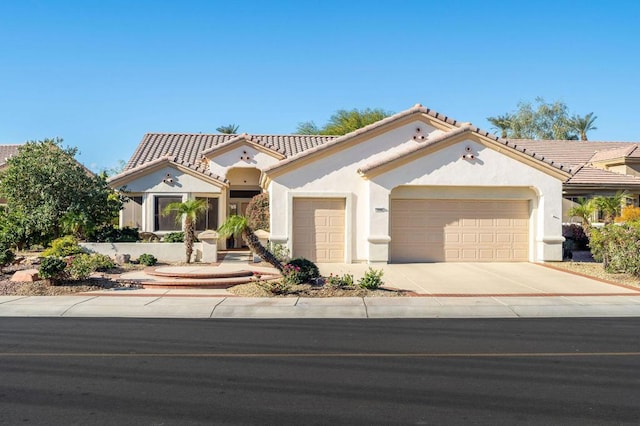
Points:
(244, 184)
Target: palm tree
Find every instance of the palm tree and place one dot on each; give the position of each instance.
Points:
(189, 211)
(611, 206)
(229, 129)
(582, 125)
(584, 210)
(239, 225)
(501, 122)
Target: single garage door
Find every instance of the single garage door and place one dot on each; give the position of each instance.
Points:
(318, 229)
(459, 230)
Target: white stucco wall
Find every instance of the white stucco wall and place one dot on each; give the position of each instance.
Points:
(337, 174)
(236, 157)
(182, 182)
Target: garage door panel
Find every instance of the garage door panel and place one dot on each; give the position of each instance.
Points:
(460, 230)
(318, 229)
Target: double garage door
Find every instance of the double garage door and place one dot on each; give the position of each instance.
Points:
(459, 230)
(318, 229)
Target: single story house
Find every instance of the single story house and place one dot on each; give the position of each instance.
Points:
(417, 186)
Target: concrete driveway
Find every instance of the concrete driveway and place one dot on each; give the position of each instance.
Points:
(481, 279)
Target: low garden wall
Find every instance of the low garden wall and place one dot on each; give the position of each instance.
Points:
(164, 252)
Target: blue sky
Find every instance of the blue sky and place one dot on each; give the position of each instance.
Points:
(100, 74)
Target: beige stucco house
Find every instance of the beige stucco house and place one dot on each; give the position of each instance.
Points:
(415, 187)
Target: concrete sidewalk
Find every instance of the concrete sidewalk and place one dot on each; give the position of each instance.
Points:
(212, 306)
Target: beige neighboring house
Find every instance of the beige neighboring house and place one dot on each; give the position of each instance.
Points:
(415, 187)
(598, 169)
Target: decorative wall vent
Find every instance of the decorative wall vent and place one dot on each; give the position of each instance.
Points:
(468, 154)
(245, 156)
(168, 179)
(418, 135)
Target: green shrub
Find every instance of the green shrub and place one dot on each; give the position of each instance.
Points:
(372, 279)
(52, 268)
(80, 267)
(278, 287)
(102, 262)
(147, 259)
(111, 234)
(617, 247)
(63, 246)
(6, 255)
(281, 252)
(344, 281)
(174, 237)
(308, 269)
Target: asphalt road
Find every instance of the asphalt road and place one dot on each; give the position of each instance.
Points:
(165, 372)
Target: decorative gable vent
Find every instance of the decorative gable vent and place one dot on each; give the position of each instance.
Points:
(418, 136)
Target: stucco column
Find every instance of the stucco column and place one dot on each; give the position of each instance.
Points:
(209, 241)
(378, 238)
(549, 237)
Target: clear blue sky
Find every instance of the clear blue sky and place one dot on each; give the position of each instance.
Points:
(100, 74)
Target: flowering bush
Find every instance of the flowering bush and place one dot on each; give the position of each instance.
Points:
(629, 214)
(308, 269)
(292, 274)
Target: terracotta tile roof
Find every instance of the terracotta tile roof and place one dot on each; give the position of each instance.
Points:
(587, 175)
(416, 109)
(568, 156)
(168, 159)
(6, 152)
(571, 153)
(188, 148)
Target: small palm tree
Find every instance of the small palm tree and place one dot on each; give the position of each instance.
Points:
(239, 225)
(582, 125)
(501, 122)
(584, 210)
(189, 211)
(229, 129)
(611, 206)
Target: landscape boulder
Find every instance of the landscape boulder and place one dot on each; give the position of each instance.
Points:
(26, 275)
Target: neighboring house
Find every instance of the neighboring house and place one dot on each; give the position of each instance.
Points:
(415, 187)
(6, 152)
(598, 169)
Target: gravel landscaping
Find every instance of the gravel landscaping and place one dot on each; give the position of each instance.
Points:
(107, 280)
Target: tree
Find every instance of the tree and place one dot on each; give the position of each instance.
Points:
(501, 122)
(541, 121)
(584, 209)
(344, 121)
(582, 125)
(229, 129)
(239, 225)
(257, 213)
(187, 210)
(611, 206)
(48, 192)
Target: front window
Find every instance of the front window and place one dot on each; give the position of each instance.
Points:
(168, 222)
(209, 218)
